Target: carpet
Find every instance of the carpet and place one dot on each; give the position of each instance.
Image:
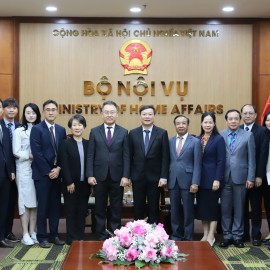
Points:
(247, 258)
(34, 258)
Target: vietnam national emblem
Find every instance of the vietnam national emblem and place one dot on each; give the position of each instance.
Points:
(135, 56)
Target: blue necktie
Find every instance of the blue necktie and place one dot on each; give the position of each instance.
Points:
(10, 131)
(233, 139)
(247, 128)
(146, 141)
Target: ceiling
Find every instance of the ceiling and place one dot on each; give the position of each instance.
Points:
(153, 8)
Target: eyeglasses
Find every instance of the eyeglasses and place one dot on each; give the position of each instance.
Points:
(50, 110)
(110, 112)
(248, 113)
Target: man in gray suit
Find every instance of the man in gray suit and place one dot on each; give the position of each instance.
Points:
(239, 176)
(107, 168)
(184, 178)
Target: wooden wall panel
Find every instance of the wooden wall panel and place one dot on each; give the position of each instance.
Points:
(264, 48)
(6, 47)
(6, 86)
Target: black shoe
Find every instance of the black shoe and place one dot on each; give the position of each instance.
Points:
(256, 242)
(266, 241)
(238, 243)
(5, 244)
(226, 243)
(12, 238)
(57, 241)
(45, 244)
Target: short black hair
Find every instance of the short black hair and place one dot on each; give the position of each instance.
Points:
(265, 117)
(232, 110)
(213, 116)
(1, 101)
(180, 115)
(110, 102)
(35, 108)
(145, 107)
(10, 102)
(77, 117)
(254, 108)
(49, 101)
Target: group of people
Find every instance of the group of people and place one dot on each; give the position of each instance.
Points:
(222, 172)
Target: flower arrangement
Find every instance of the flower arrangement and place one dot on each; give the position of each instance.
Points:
(140, 243)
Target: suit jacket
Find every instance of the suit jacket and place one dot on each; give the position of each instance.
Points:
(261, 144)
(213, 161)
(240, 163)
(155, 164)
(70, 162)
(7, 164)
(42, 149)
(102, 157)
(2, 122)
(185, 169)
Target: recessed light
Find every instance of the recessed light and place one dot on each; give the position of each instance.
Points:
(51, 8)
(135, 10)
(228, 9)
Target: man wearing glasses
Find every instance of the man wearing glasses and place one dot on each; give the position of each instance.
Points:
(107, 168)
(44, 140)
(254, 195)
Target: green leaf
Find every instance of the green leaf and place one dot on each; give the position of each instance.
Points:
(140, 264)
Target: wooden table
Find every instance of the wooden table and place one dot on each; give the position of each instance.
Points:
(201, 257)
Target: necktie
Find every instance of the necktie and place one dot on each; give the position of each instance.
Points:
(247, 128)
(10, 131)
(109, 136)
(1, 134)
(179, 146)
(146, 141)
(54, 144)
(233, 139)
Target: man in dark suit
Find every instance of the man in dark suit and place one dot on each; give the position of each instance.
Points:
(239, 175)
(254, 195)
(184, 178)
(107, 168)
(7, 176)
(149, 152)
(11, 106)
(44, 140)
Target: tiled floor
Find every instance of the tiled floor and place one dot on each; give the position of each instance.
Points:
(17, 230)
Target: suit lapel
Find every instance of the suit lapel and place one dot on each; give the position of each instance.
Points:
(186, 144)
(239, 138)
(209, 143)
(103, 134)
(115, 134)
(152, 138)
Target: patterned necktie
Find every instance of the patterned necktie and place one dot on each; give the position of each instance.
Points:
(109, 136)
(233, 139)
(54, 144)
(1, 134)
(179, 146)
(146, 141)
(247, 128)
(10, 131)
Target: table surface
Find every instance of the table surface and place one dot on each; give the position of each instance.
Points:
(201, 257)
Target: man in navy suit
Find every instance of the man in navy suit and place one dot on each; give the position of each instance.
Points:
(254, 195)
(7, 176)
(44, 140)
(184, 178)
(238, 177)
(149, 152)
(107, 168)
(11, 106)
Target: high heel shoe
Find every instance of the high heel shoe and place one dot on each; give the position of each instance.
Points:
(211, 242)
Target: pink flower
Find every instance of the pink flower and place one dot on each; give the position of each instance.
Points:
(149, 254)
(167, 251)
(110, 249)
(132, 254)
(151, 240)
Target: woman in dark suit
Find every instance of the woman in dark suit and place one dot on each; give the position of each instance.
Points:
(266, 179)
(73, 154)
(213, 165)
